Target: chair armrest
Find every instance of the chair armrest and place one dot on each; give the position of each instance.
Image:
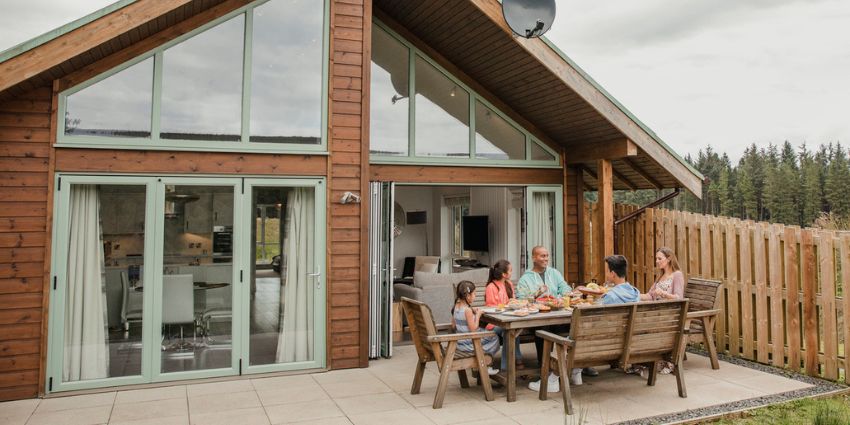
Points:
(443, 327)
(460, 336)
(702, 313)
(557, 339)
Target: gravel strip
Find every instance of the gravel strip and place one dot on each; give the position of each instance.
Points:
(819, 386)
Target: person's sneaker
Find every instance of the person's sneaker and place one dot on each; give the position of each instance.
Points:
(552, 384)
(491, 371)
(575, 377)
(590, 371)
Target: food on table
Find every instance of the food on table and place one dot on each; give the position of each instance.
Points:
(521, 312)
(544, 308)
(515, 304)
(591, 290)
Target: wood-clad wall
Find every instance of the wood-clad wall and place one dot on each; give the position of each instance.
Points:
(24, 161)
(348, 306)
(573, 195)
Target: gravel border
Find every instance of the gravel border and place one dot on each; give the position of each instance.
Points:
(819, 387)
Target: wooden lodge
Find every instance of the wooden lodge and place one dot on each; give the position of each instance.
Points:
(204, 188)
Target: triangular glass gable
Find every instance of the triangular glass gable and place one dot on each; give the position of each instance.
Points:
(117, 106)
(538, 153)
(495, 137)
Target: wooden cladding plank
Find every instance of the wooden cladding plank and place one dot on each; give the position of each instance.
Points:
(82, 160)
(22, 224)
(21, 255)
(24, 164)
(24, 150)
(20, 284)
(13, 270)
(21, 331)
(760, 281)
(20, 301)
(483, 175)
(18, 378)
(23, 209)
(18, 179)
(21, 239)
(20, 362)
(24, 135)
(19, 392)
(810, 314)
(19, 346)
(23, 120)
(827, 284)
(792, 298)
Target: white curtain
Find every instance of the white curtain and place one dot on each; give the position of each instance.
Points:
(295, 343)
(541, 229)
(86, 339)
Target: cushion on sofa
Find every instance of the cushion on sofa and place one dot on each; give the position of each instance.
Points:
(424, 280)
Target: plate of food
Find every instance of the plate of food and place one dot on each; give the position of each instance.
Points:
(592, 289)
(515, 304)
(522, 312)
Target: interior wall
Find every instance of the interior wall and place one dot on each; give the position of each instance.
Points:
(411, 242)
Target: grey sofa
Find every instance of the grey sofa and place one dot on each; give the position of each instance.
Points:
(437, 290)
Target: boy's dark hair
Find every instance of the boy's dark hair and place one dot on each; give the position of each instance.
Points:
(617, 264)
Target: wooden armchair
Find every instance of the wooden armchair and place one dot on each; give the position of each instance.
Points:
(429, 347)
(704, 296)
(624, 334)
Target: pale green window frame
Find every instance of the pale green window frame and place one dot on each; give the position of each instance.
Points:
(472, 160)
(152, 306)
(154, 142)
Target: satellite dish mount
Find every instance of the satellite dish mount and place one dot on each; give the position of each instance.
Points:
(529, 18)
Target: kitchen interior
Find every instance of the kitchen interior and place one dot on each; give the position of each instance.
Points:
(197, 300)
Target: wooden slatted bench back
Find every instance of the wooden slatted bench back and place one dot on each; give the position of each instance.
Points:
(599, 333)
(421, 323)
(656, 331)
(702, 293)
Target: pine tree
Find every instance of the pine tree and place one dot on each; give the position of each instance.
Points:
(837, 183)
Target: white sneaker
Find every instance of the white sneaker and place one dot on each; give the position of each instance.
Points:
(575, 377)
(491, 371)
(590, 371)
(552, 384)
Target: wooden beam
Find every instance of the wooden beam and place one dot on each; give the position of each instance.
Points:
(646, 176)
(63, 48)
(467, 175)
(574, 78)
(603, 231)
(625, 180)
(589, 172)
(580, 222)
(612, 149)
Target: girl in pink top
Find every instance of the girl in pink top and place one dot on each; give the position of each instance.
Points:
(670, 284)
(500, 290)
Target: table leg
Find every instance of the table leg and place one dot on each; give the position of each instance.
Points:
(510, 348)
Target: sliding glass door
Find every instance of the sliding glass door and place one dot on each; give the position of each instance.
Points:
(160, 278)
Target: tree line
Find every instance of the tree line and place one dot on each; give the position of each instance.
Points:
(809, 188)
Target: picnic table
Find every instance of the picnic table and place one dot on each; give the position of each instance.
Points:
(512, 325)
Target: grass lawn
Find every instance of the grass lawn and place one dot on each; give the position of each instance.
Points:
(830, 411)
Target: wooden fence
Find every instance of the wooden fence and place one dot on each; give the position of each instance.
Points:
(782, 301)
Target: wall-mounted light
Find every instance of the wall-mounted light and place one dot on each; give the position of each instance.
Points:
(397, 97)
(349, 198)
(453, 92)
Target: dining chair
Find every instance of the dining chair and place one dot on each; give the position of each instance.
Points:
(219, 301)
(131, 307)
(178, 303)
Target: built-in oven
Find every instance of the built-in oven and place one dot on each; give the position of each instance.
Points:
(222, 244)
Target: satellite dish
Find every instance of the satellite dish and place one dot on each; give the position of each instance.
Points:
(529, 18)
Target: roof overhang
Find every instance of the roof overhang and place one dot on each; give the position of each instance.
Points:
(542, 85)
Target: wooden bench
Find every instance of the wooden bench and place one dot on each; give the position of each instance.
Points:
(624, 334)
(704, 306)
(429, 347)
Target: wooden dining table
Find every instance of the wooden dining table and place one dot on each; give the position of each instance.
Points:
(512, 326)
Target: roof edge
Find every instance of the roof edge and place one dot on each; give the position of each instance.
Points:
(622, 108)
(64, 29)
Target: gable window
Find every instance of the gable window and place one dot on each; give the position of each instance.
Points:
(445, 121)
(254, 79)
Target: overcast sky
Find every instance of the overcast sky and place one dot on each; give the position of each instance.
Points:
(698, 72)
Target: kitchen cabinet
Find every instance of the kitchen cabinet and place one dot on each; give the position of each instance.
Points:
(197, 215)
(122, 213)
(223, 209)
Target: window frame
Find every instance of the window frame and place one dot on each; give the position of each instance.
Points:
(472, 160)
(155, 142)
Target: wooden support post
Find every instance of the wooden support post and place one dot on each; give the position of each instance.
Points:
(604, 234)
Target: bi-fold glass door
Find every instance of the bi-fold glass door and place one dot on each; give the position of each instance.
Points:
(160, 278)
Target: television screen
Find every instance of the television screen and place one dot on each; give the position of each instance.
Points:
(475, 234)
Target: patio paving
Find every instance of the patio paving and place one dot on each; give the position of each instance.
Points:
(380, 394)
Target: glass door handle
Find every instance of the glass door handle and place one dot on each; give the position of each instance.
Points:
(318, 277)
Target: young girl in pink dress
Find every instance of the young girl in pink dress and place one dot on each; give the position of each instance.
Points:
(500, 290)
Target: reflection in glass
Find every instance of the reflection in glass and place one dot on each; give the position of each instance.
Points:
(103, 288)
(442, 114)
(202, 85)
(197, 290)
(286, 84)
(282, 308)
(540, 154)
(118, 106)
(495, 137)
(389, 98)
